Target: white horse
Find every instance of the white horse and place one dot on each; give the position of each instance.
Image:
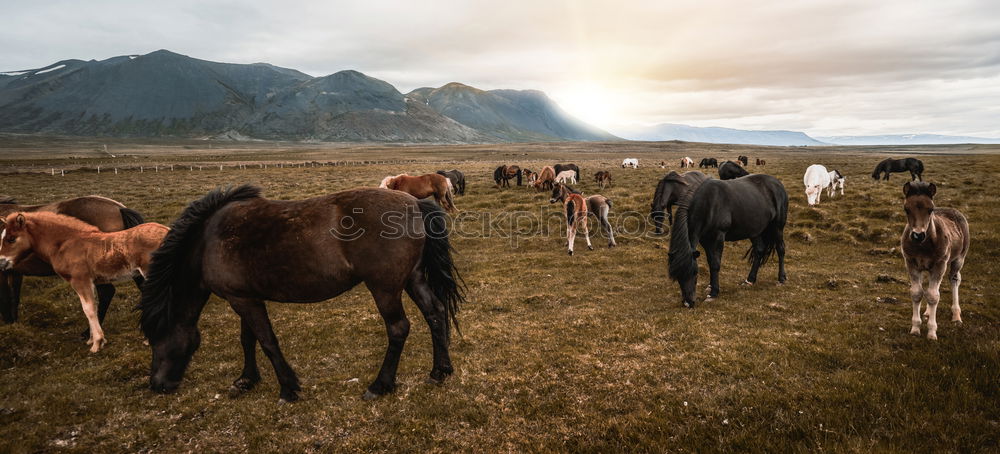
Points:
(816, 180)
(687, 162)
(836, 180)
(630, 162)
(566, 177)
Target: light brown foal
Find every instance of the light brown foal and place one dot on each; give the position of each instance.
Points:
(80, 253)
(934, 240)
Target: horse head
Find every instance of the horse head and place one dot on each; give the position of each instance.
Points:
(919, 208)
(15, 242)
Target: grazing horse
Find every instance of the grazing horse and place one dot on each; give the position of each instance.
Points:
(80, 253)
(457, 179)
(546, 178)
(816, 179)
(242, 247)
(530, 176)
(423, 186)
(503, 174)
(669, 191)
(761, 162)
(754, 207)
(687, 162)
(730, 170)
(566, 176)
(912, 165)
(708, 162)
(631, 163)
(575, 208)
(603, 178)
(597, 205)
(836, 180)
(935, 240)
(105, 214)
(560, 168)
(743, 159)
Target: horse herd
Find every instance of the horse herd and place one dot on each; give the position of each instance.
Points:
(221, 243)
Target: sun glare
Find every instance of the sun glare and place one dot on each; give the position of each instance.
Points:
(591, 103)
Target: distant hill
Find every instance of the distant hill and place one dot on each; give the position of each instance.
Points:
(168, 94)
(669, 131)
(906, 139)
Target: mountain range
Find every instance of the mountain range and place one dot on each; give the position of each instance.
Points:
(905, 139)
(167, 94)
(670, 131)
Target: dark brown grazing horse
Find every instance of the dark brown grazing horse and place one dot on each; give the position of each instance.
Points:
(546, 178)
(669, 191)
(503, 174)
(457, 179)
(247, 250)
(745, 160)
(79, 253)
(423, 186)
(103, 213)
(603, 178)
(935, 240)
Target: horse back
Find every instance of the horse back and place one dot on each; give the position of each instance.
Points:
(313, 249)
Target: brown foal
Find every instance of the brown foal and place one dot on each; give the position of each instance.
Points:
(80, 253)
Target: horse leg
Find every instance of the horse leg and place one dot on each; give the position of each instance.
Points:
(253, 313)
(570, 235)
(713, 255)
(955, 279)
(437, 320)
(933, 297)
(7, 308)
(607, 227)
(85, 290)
(586, 230)
(397, 327)
(916, 294)
(251, 374)
(105, 292)
(779, 247)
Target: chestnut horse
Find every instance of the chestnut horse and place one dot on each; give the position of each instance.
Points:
(597, 205)
(935, 240)
(423, 186)
(575, 208)
(546, 178)
(80, 253)
(106, 214)
(240, 246)
(603, 178)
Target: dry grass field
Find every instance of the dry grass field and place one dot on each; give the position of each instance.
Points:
(589, 353)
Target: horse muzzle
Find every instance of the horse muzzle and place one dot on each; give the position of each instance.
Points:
(919, 237)
(552, 200)
(163, 386)
(6, 263)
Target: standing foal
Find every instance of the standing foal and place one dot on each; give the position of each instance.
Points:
(934, 239)
(575, 208)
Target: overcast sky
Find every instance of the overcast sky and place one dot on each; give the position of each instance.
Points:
(825, 67)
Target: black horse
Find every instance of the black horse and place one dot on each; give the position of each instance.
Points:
(708, 162)
(912, 165)
(561, 167)
(457, 179)
(754, 208)
(669, 191)
(730, 170)
(745, 160)
(247, 250)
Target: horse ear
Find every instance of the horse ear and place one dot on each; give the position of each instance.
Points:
(18, 222)
(906, 189)
(932, 188)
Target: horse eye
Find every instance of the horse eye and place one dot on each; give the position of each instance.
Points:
(11, 239)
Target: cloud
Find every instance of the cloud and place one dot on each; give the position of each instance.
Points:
(823, 66)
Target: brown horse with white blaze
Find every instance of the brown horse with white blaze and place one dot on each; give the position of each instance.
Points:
(935, 240)
(80, 253)
(105, 214)
(423, 186)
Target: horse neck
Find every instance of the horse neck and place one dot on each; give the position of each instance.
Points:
(48, 235)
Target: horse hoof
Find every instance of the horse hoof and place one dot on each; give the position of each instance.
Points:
(571, 252)
(914, 331)
(590, 248)
(368, 395)
(931, 336)
(746, 282)
(688, 305)
(289, 398)
(433, 381)
(958, 322)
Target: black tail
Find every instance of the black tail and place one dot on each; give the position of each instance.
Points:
(519, 177)
(438, 266)
(130, 217)
(570, 212)
(167, 261)
(773, 234)
(682, 256)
